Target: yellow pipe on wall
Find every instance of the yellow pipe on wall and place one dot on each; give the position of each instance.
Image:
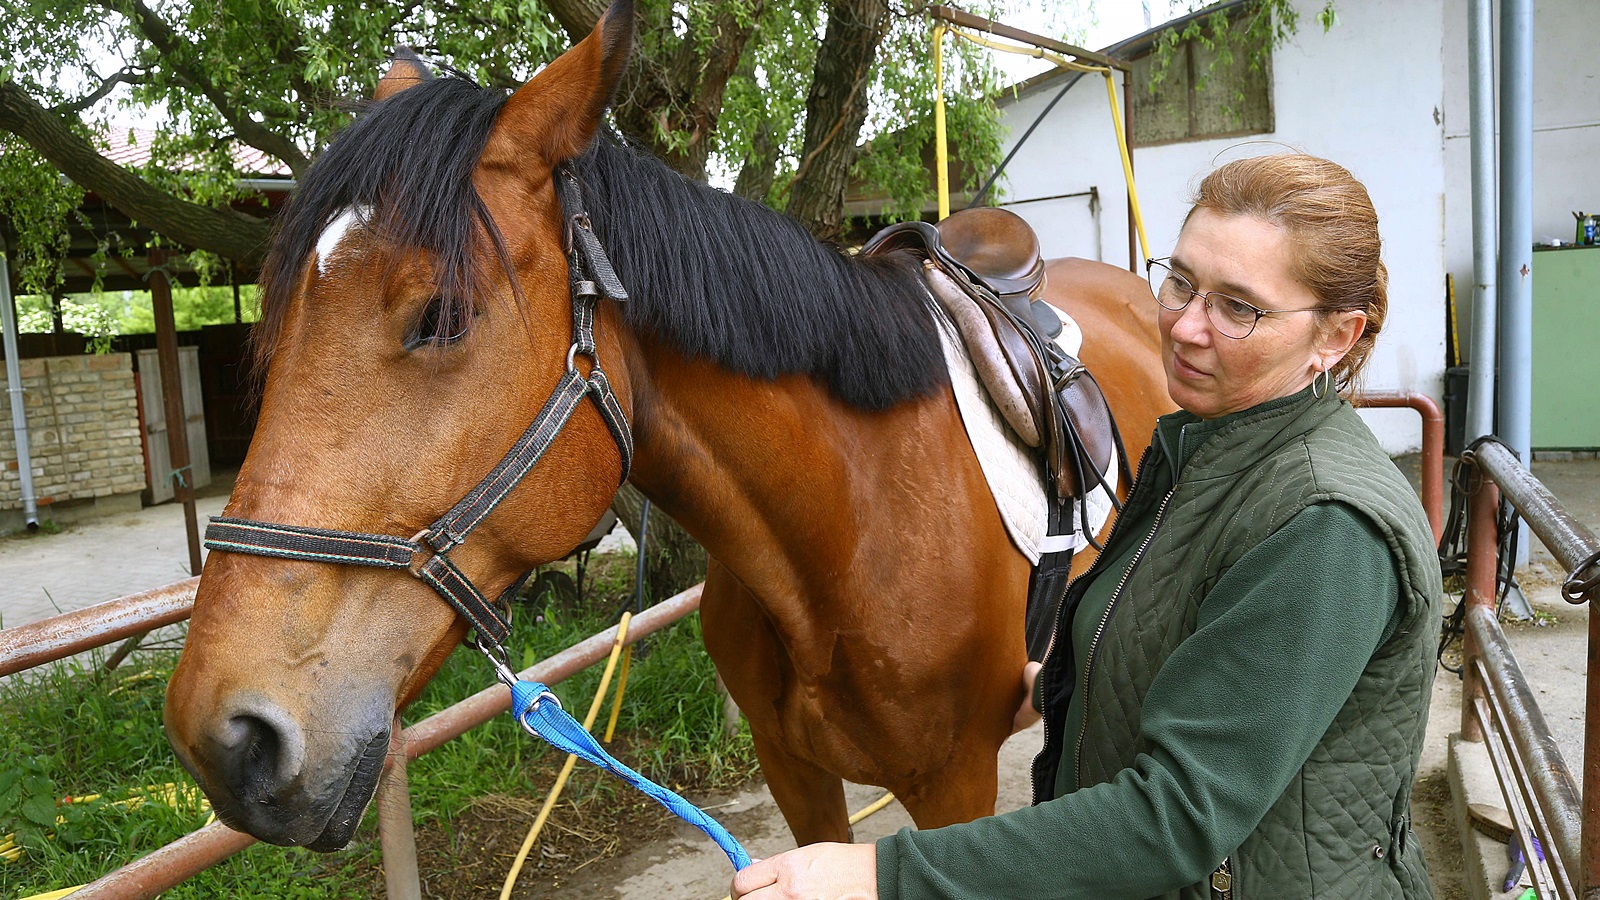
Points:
(941, 149)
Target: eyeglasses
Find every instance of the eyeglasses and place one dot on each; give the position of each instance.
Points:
(1232, 317)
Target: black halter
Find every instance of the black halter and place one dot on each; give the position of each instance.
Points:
(426, 554)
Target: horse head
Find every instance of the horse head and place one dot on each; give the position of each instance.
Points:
(417, 312)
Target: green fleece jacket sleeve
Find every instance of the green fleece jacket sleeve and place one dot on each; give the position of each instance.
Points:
(1279, 645)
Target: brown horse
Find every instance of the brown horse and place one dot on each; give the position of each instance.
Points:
(788, 403)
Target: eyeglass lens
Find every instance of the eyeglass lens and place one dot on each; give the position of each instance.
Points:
(1229, 315)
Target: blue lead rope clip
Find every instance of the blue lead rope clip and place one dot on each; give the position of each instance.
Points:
(551, 723)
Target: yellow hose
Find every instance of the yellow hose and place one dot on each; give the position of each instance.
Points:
(872, 807)
(1127, 164)
(566, 769)
(622, 685)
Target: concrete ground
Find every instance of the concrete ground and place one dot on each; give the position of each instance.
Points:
(94, 561)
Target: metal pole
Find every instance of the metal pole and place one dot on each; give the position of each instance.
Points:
(1516, 226)
(1134, 259)
(1480, 56)
(396, 832)
(19, 415)
(1481, 564)
(1589, 870)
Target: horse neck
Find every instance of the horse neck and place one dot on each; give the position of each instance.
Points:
(766, 474)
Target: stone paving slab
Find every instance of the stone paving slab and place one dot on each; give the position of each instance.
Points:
(42, 575)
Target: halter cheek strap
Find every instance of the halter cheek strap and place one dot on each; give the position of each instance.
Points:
(426, 555)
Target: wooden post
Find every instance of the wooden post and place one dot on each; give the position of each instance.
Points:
(177, 422)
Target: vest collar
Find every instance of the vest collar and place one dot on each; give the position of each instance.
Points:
(1229, 444)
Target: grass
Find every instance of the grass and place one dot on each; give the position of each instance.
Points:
(67, 731)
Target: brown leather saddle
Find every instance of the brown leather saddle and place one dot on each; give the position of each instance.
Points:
(984, 268)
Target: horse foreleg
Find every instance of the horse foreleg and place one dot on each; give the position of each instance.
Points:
(962, 791)
(811, 799)
(748, 655)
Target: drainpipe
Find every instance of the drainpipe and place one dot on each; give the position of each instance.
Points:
(1480, 56)
(1516, 237)
(1516, 225)
(19, 416)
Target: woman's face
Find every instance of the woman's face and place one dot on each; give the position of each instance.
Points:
(1212, 375)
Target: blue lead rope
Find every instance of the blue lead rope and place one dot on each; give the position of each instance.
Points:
(541, 715)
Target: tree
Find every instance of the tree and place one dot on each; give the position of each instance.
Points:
(740, 86)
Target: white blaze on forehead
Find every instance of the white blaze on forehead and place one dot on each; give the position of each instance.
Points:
(332, 236)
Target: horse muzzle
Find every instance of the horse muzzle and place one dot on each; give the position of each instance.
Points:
(265, 778)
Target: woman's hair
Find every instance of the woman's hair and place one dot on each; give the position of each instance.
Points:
(1332, 229)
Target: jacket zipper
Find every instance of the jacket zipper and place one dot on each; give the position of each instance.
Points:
(1222, 881)
(1055, 624)
(1100, 629)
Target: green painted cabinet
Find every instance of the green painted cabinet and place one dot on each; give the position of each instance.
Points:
(1566, 349)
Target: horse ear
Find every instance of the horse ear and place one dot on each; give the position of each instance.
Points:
(406, 69)
(558, 112)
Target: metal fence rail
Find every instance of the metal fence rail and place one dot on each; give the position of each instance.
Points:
(1498, 707)
(27, 646)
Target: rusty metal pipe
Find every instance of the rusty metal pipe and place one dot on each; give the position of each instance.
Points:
(977, 23)
(397, 834)
(58, 637)
(171, 865)
(491, 701)
(1554, 788)
(148, 876)
(1482, 563)
(1518, 803)
(1589, 874)
(1568, 540)
(1510, 762)
(1432, 447)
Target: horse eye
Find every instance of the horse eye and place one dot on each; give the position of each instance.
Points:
(441, 324)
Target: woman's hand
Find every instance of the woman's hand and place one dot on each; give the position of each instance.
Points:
(817, 872)
(1026, 714)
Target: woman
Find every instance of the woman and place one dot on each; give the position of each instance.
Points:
(1237, 690)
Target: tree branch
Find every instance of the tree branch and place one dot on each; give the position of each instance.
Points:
(577, 17)
(170, 45)
(224, 232)
(126, 76)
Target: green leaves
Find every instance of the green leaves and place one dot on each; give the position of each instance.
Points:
(28, 807)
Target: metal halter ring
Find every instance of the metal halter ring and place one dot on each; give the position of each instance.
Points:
(572, 357)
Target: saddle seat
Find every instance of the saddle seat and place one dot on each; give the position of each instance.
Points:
(984, 268)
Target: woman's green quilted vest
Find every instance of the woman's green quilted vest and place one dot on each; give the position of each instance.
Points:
(1342, 829)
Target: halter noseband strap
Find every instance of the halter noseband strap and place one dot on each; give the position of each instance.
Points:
(426, 555)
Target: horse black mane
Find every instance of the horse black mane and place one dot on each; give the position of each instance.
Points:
(716, 276)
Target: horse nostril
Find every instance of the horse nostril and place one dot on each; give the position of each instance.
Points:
(258, 759)
(260, 753)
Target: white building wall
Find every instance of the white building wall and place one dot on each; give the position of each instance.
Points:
(1566, 131)
(1367, 94)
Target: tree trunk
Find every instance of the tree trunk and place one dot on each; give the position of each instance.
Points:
(229, 234)
(757, 173)
(673, 561)
(835, 111)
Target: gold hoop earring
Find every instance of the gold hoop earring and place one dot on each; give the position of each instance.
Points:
(1327, 382)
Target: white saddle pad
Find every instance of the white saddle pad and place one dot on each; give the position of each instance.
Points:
(1014, 472)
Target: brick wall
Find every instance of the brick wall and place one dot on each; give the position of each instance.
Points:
(83, 429)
